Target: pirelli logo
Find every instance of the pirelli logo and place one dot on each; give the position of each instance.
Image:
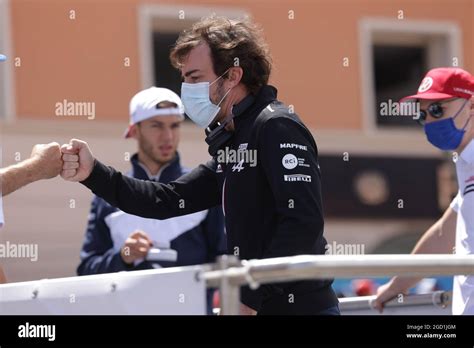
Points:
(297, 177)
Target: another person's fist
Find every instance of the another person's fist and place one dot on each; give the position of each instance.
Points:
(136, 247)
(78, 161)
(46, 160)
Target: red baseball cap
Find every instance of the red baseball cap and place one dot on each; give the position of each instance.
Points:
(444, 83)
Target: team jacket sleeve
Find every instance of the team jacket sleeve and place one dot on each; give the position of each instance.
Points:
(198, 190)
(98, 254)
(290, 162)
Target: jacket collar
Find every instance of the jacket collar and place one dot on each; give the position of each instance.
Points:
(252, 105)
(239, 108)
(168, 172)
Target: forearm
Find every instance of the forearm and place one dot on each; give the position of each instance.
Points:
(438, 239)
(16, 176)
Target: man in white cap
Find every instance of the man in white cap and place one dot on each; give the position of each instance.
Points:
(446, 97)
(117, 241)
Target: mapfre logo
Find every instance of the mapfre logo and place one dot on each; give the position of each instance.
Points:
(425, 84)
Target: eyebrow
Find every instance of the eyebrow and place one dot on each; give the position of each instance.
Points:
(190, 72)
(159, 123)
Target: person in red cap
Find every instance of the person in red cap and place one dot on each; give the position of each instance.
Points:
(446, 98)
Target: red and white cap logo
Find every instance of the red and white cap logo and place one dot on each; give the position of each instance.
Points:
(425, 84)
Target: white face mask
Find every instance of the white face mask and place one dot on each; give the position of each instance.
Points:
(197, 102)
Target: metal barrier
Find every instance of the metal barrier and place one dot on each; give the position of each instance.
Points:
(435, 303)
(255, 272)
(115, 293)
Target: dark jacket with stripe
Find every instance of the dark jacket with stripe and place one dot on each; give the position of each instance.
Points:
(272, 207)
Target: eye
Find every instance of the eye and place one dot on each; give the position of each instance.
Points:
(421, 120)
(436, 110)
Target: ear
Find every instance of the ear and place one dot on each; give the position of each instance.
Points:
(235, 75)
(134, 131)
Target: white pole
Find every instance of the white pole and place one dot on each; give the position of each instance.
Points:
(229, 291)
(342, 266)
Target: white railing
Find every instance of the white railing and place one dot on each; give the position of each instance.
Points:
(435, 303)
(181, 290)
(233, 273)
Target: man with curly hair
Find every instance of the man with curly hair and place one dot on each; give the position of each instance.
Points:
(264, 168)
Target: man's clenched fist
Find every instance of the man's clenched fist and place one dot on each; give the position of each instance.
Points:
(136, 247)
(46, 160)
(44, 163)
(77, 160)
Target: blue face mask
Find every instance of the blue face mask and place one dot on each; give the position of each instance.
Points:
(444, 134)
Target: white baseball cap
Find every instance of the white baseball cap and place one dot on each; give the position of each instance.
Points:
(144, 105)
